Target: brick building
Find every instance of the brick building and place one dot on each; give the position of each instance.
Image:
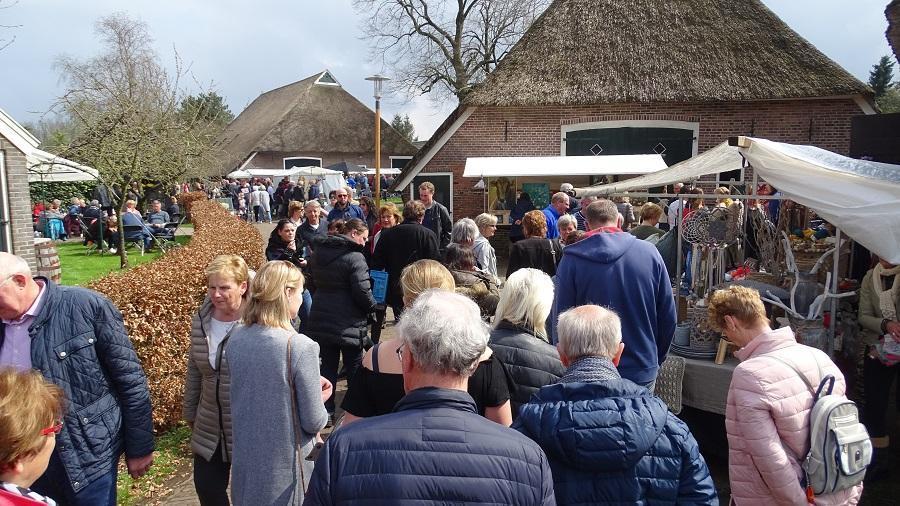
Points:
(313, 122)
(16, 229)
(674, 77)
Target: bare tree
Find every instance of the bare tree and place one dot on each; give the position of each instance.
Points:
(444, 45)
(125, 106)
(4, 42)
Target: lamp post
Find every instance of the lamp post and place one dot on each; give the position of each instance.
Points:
(378, 80)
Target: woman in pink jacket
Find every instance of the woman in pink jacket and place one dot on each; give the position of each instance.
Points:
(767, 416)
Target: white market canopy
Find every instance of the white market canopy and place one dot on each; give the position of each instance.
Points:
(541, 166)
(384, 170)
(861, 198)
(49, 168)
(721, 158)
(239, 174)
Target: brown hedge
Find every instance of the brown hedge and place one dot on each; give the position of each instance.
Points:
(158, 299)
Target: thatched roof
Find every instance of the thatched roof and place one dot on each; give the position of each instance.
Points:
(892, 12)
(315, 115)
(604, 51)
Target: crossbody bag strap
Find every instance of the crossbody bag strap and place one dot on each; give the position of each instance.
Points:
(295, 415)
(552, 250)
(809, 385)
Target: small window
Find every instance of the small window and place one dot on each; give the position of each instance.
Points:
(302, 162)
(399, 162)
(327, 79)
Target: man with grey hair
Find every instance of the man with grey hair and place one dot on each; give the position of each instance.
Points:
(75, 337)
(434, 447)
(630, 449)
(616, 270)
(559, 205)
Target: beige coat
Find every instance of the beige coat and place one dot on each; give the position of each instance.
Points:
(207, 392)
(870, 315)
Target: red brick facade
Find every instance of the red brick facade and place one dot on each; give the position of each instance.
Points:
(19, 201)
(537, 131)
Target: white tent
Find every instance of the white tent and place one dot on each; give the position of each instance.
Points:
(861, 198)
(521, 166)
(315, 171)
(49, 168)
(721, 158)
(239, 174)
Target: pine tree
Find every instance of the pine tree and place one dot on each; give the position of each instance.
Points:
(881, 75)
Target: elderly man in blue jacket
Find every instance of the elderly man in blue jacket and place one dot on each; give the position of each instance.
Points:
(609, 440)
(76, 338)
(434, 448)
(614, 269)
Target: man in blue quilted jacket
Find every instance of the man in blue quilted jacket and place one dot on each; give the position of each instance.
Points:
(609, 440)
(434, 448)
(75, 337)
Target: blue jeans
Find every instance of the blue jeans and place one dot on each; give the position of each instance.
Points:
(55, 484)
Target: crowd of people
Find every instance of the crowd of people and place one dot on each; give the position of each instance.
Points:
(533, 388)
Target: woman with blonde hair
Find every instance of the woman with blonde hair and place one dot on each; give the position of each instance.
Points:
(31, 412)
(767, 414)
(207, 396)
(519, 335)
(535, 251)
(378, 385)
(277, 395)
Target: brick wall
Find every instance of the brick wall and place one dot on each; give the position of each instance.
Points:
(536, 131)
(19, 201)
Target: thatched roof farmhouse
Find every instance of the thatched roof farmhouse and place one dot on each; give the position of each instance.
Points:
(676, 77)
(309, 122)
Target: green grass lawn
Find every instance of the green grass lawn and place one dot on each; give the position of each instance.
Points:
(79, 268)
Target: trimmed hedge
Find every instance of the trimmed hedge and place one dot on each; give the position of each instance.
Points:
(158, 299)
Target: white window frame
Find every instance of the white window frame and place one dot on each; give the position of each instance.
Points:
(6, 228)
(392, 158)
(599, 125)
(285, 159)
(319, 79)
(413, 190)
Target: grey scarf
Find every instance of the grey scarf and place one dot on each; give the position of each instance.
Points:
(590, 370)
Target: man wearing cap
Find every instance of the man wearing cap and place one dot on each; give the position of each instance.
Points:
(567, 188)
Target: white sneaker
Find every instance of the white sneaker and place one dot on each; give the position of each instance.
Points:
(113, 251)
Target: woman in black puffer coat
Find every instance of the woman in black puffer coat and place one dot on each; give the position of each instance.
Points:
(339, 317)
(519, 337)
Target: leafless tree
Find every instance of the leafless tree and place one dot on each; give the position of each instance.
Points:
(4, 42)
(125, 106)
(444, 45)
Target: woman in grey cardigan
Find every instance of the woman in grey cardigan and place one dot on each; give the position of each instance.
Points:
(277, 406)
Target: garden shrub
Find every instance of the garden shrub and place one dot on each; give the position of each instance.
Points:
(158, 299)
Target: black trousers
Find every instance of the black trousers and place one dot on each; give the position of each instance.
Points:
(877, 381)
(380, 315)
(211, 478)
(330, 357)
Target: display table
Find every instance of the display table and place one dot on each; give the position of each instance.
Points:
(705, 384)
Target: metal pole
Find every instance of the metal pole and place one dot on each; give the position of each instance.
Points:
(836, 267)
(377, 154)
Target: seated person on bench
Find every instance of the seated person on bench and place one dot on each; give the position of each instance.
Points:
(157, 219)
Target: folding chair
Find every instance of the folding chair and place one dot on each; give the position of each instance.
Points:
(166, 240)
(88, 235)
(134, 236)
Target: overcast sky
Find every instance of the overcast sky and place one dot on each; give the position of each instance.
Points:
(242, 48)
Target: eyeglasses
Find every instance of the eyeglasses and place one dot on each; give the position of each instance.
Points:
(400, 353)
(7, 279)
(53, 429)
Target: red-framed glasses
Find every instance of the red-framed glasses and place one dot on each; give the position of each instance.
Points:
(53, 429)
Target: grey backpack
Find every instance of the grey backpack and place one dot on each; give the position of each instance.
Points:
(839, 445)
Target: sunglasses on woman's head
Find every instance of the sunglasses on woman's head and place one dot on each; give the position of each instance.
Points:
(53, 429)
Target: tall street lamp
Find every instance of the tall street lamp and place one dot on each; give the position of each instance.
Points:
(378, 80)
